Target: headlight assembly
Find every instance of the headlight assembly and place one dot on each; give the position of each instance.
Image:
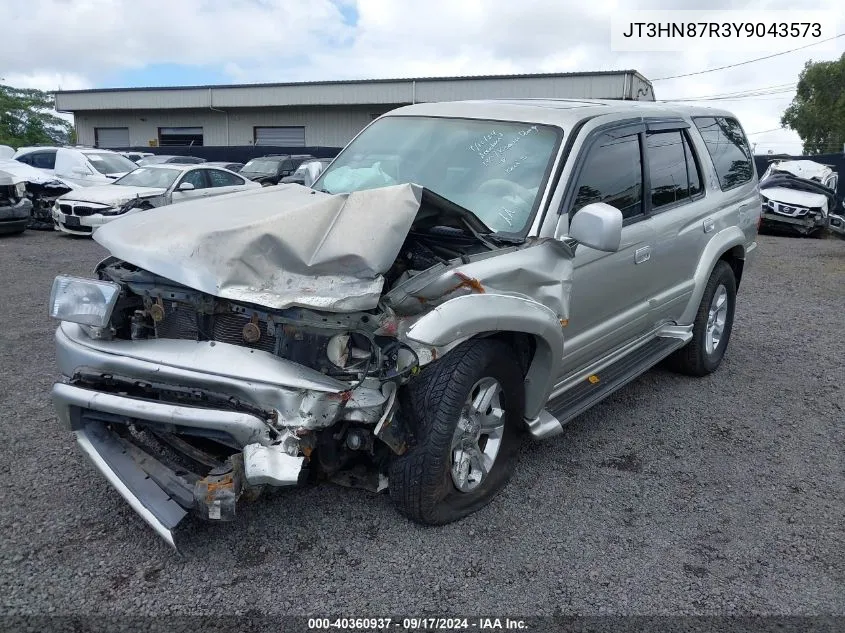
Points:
(83, 301)
(344, 352)
(20, 189)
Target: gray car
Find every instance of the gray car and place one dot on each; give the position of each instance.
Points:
(461, 276)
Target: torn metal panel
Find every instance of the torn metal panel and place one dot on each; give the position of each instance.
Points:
(274, 247)
(540, 271)
(25, 173)
(39, 188)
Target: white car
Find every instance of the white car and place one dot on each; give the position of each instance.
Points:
(136, 156)
(82, 211)
(799, 196)
(85, 167)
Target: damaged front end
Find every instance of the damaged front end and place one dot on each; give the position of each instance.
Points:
(28, 194)
(273, 346)
(799, 197)
(15, 208)
(211, 399)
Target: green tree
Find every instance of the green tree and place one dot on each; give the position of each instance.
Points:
(817, 112)
(27, 117)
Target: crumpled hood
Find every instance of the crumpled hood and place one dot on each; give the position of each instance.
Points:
(795, 197)
(111, 194)
(21, 172)
(7, 179)
(802, 169)
(275, 246)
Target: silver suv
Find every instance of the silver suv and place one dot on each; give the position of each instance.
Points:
(463, 274)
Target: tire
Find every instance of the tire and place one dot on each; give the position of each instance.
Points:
(422, 483)
(697, 358)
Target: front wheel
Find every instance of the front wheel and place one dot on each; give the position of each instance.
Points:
(713, 324)
(466, 414)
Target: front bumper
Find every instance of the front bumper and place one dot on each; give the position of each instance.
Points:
(803, 225)
(15, 218)
(161, 494)
(116, 388)
(87, 223)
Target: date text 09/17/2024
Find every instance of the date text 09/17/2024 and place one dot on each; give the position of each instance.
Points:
(415, 624)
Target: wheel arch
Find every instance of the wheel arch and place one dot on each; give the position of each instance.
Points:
(728, 246)
(530, 328)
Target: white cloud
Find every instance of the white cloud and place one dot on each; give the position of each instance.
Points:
(81, 41)
(47, 80)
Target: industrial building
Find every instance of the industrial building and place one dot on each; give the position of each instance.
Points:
(309, 114)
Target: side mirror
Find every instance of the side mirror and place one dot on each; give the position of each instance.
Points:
(186, 186)
(597, 225)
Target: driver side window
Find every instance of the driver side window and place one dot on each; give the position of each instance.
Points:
(613, 174)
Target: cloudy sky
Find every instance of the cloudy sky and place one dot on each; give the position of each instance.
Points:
(76, 44)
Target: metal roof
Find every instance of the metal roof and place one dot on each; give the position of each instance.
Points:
(358, 81)
(621, 84)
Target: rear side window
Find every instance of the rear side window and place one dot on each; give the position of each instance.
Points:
(672, 168)
(43, 160)
(612, 174)
(222, 179)
(728, 148)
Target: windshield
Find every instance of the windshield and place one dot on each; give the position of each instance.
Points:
(110, 163)
(149, 177)
(495, 169)
(152, 160)
(266, 166)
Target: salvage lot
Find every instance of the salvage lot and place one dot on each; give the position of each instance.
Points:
(676, 495)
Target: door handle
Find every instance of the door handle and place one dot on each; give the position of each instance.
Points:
(708, 225)
(642, 254)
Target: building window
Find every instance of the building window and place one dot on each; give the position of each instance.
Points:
(287, 136)
(171, 136)
(111, 137)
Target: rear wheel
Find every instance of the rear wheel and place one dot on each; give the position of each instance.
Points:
(712, 328)
(466, 414)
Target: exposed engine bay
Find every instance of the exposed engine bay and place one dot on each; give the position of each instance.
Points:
(264, 350)
(40, 189)
(341, 440)
(800, 196)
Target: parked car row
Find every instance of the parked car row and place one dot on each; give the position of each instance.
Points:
(78, 189)
(149, 186)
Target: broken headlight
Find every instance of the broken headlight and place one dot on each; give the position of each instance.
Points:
(83, 301)
(20, 189)
(349, 351)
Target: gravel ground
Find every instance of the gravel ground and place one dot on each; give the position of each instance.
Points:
(721, 495)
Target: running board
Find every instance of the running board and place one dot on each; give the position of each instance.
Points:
(596, 387)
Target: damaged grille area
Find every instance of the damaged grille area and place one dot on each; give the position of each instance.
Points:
(239, 330)
(183, 321)
(179, 322)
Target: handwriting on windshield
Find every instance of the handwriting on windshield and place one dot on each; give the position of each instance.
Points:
(491, 147)
(515, 163)
(507, 215)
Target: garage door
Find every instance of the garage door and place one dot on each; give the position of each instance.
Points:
(280, 136)
(111, 136)
(174, 136)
